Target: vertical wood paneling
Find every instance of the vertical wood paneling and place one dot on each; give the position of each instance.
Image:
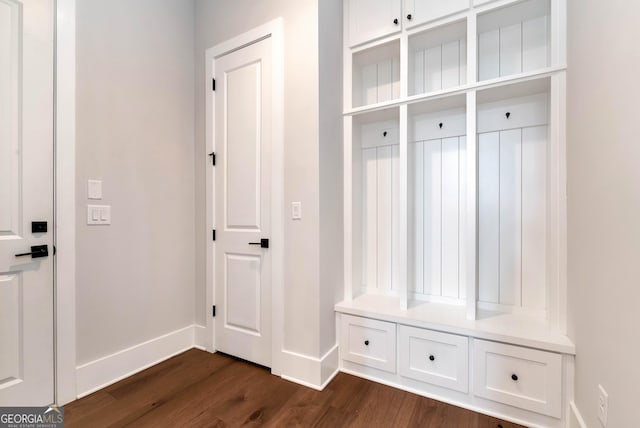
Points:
(450, 213)
(395, 78)
(432, 217)
(395, 217)
(510, 217)
(511, 50)
(463, 62)
(450, 65)
(418, 72)
(385, 78)
(433, 69)
(385, 220)
(534, 167)
(489, 55)
(416, 213)
(370, 84)
(462, 185)
(370, 217)
(489, 216)
(535, 50)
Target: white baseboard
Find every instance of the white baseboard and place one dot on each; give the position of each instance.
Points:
(200, 337)
(107, 370)
(575, 418)
(309, 371)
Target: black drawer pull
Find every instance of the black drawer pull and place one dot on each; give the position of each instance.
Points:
(432, 358)
(395, 21)
(366, 343)
(514, 377)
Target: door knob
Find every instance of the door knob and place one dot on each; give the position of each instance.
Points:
(264, 243)
(37, 251)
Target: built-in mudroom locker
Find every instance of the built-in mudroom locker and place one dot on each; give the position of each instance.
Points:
(455, 205)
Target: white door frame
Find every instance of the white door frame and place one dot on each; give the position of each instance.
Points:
(273, 30)
(65, 202)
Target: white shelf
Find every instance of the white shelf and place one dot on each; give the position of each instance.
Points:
(479, 86)
(515, 329)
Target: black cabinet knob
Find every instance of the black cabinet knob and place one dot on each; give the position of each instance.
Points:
(514, 377)
(366, 343)
(409, 17)
(395, 21)
(440, 125)
(384, 134)
(508, 114)
(432, 358)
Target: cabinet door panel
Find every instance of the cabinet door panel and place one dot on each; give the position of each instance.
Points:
(371, 19)
(422, 11)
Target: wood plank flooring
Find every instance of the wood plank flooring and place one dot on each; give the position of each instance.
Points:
(198, 389)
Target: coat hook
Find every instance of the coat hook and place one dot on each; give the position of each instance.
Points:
(440, 125)
(384, 134)
(508, 115)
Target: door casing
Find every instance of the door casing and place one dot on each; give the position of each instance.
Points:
(273, 30)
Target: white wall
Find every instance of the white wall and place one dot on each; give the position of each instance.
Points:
(135, 131)
(604, 205)
(331, 171)
(217, 21)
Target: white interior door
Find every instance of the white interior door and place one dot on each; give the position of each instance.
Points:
(26, 195)
(243, 203)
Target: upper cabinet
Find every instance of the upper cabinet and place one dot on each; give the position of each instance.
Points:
(371, 19)
(420, 11)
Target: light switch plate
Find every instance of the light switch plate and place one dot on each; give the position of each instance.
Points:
(94, 189)
(296, 210)
(98, 215)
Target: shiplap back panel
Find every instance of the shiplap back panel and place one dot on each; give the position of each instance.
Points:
(512, 217)
(436, 192)
(381, 220)
(380, 82)
(439, 67)
(512, 204)
(508, 44)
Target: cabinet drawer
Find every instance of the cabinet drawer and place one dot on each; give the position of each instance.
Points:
(520, 377)
(369, 342)
(436, 358)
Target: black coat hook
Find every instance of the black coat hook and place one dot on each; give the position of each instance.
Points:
(440, 125)
(508, 115)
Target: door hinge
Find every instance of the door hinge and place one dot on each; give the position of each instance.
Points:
(214, 234)
(213, 311)
(213, 158)
(213, 84)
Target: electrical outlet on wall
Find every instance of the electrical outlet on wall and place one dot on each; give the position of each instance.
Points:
(603, 405)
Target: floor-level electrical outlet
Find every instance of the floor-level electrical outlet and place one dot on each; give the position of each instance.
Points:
(603, 405)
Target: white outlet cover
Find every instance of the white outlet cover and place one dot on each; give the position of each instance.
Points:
(603, 405)
(296, 210)
(94, 189)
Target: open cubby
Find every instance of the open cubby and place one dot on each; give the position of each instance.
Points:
(376, 175)
(438, 59)
(376, 74)
(436, 187)
(514, 39)
(513, 192)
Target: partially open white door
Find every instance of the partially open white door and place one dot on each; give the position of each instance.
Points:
(243, 202)
(26, 196)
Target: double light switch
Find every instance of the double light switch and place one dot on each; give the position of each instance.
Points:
(97, 214)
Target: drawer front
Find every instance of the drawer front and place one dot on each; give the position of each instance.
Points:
(520, 377)
(369, 342)
(436, 358)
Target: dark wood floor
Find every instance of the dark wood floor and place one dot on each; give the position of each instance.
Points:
(198, 389)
